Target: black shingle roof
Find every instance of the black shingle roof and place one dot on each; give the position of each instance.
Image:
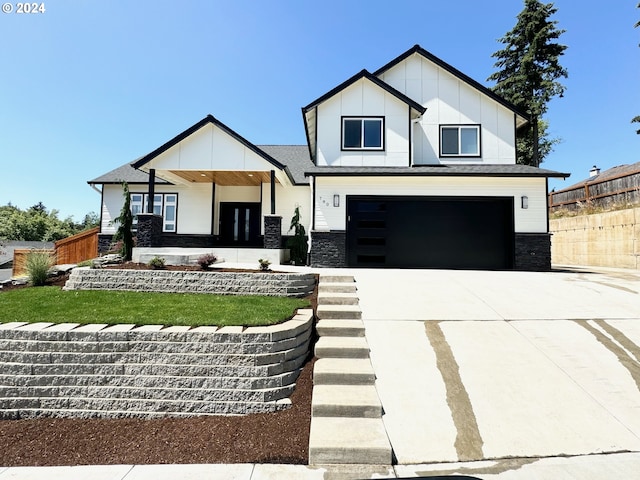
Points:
(438, 170)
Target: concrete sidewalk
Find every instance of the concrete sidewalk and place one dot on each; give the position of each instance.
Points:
(593, 467)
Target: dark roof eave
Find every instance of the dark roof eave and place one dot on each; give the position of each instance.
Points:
(433, 173)
(456, 73)
(194, 128)
(372, 78)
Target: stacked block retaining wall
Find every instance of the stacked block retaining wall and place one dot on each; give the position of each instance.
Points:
(226, 283)
(69, 370)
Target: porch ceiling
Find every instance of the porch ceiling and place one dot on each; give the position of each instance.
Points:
(224, 177)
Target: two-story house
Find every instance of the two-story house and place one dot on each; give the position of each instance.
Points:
(413, 165)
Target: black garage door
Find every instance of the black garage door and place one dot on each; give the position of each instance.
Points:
(430, 232)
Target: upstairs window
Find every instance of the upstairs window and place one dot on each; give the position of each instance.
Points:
(362, 133)
(460, 141)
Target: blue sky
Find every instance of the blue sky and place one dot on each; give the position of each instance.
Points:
(89, 85)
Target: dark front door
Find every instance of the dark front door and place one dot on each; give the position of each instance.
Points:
(430, 232)
(240, 224)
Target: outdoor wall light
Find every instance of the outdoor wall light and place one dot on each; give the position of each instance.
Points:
(336, 200)
(524, 202)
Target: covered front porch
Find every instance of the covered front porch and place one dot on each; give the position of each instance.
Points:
(189, 256)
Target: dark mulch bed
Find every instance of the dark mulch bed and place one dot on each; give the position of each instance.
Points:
(281, 437)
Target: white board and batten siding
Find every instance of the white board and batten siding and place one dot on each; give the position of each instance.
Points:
(530, 220)
(194, 206)
(451, 101)
(363, 99)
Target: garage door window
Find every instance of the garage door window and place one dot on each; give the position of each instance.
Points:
(362, 133)
(460, 141)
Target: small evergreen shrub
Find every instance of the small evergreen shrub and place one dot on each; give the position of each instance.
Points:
(38, 265)
(157, 263)
(264, 264)
(206, 260)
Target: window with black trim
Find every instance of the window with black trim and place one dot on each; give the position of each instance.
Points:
(165, 204)
(362, 133)
(459, 140)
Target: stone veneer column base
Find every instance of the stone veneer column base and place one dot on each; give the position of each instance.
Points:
(329, 249)
(272, 231)
(533, 252)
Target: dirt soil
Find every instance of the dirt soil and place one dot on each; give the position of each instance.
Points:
(281, 437)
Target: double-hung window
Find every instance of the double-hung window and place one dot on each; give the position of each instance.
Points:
(164, 204)
(460, 140)
(362, 133)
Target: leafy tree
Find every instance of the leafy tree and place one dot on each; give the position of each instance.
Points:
(39, 224)
(528, 73)
(636, 119)
(298, 243)
(125, 221)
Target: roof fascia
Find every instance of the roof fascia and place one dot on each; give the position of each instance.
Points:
(194, 128)
(456, 73)
(547, 174)
(368, 76)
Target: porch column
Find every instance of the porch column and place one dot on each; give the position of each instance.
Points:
(152, 189)
(273, 192)
(272, 231)
(149, 232)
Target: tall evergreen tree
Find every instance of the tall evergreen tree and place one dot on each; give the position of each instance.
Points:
(528, 72)
(636, 119)
(125, 221)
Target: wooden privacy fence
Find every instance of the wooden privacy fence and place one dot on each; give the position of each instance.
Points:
(74, 249)
(620, 189)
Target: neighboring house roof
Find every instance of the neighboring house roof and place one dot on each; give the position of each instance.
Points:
(610, 174)
(309, 112)
(456, 73)
(449, 170)
(194, 128)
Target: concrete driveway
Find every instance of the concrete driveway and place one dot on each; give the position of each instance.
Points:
(490, 365)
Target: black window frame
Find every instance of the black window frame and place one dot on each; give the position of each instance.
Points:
(362, 148)
(475, 126)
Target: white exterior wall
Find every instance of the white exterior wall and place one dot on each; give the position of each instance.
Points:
(210, 148)
(531, 220)
(363, 99)
(194, 206)
(449, 100)
(287, 199)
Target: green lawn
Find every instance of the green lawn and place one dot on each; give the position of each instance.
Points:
(51, 304)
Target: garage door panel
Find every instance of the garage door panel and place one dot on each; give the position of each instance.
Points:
(432, 232)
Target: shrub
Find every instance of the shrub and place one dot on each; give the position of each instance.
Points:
(157, 263)
(264, 264)
(38, 264)
(206, 260)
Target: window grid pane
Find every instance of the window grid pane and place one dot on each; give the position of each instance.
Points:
(373, 133)
(449, 141)
(469, 141)
(352, 133)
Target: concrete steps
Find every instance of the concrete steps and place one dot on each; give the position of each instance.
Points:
(346, 412)
(340, 328)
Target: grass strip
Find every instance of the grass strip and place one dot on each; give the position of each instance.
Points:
(51, 304)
